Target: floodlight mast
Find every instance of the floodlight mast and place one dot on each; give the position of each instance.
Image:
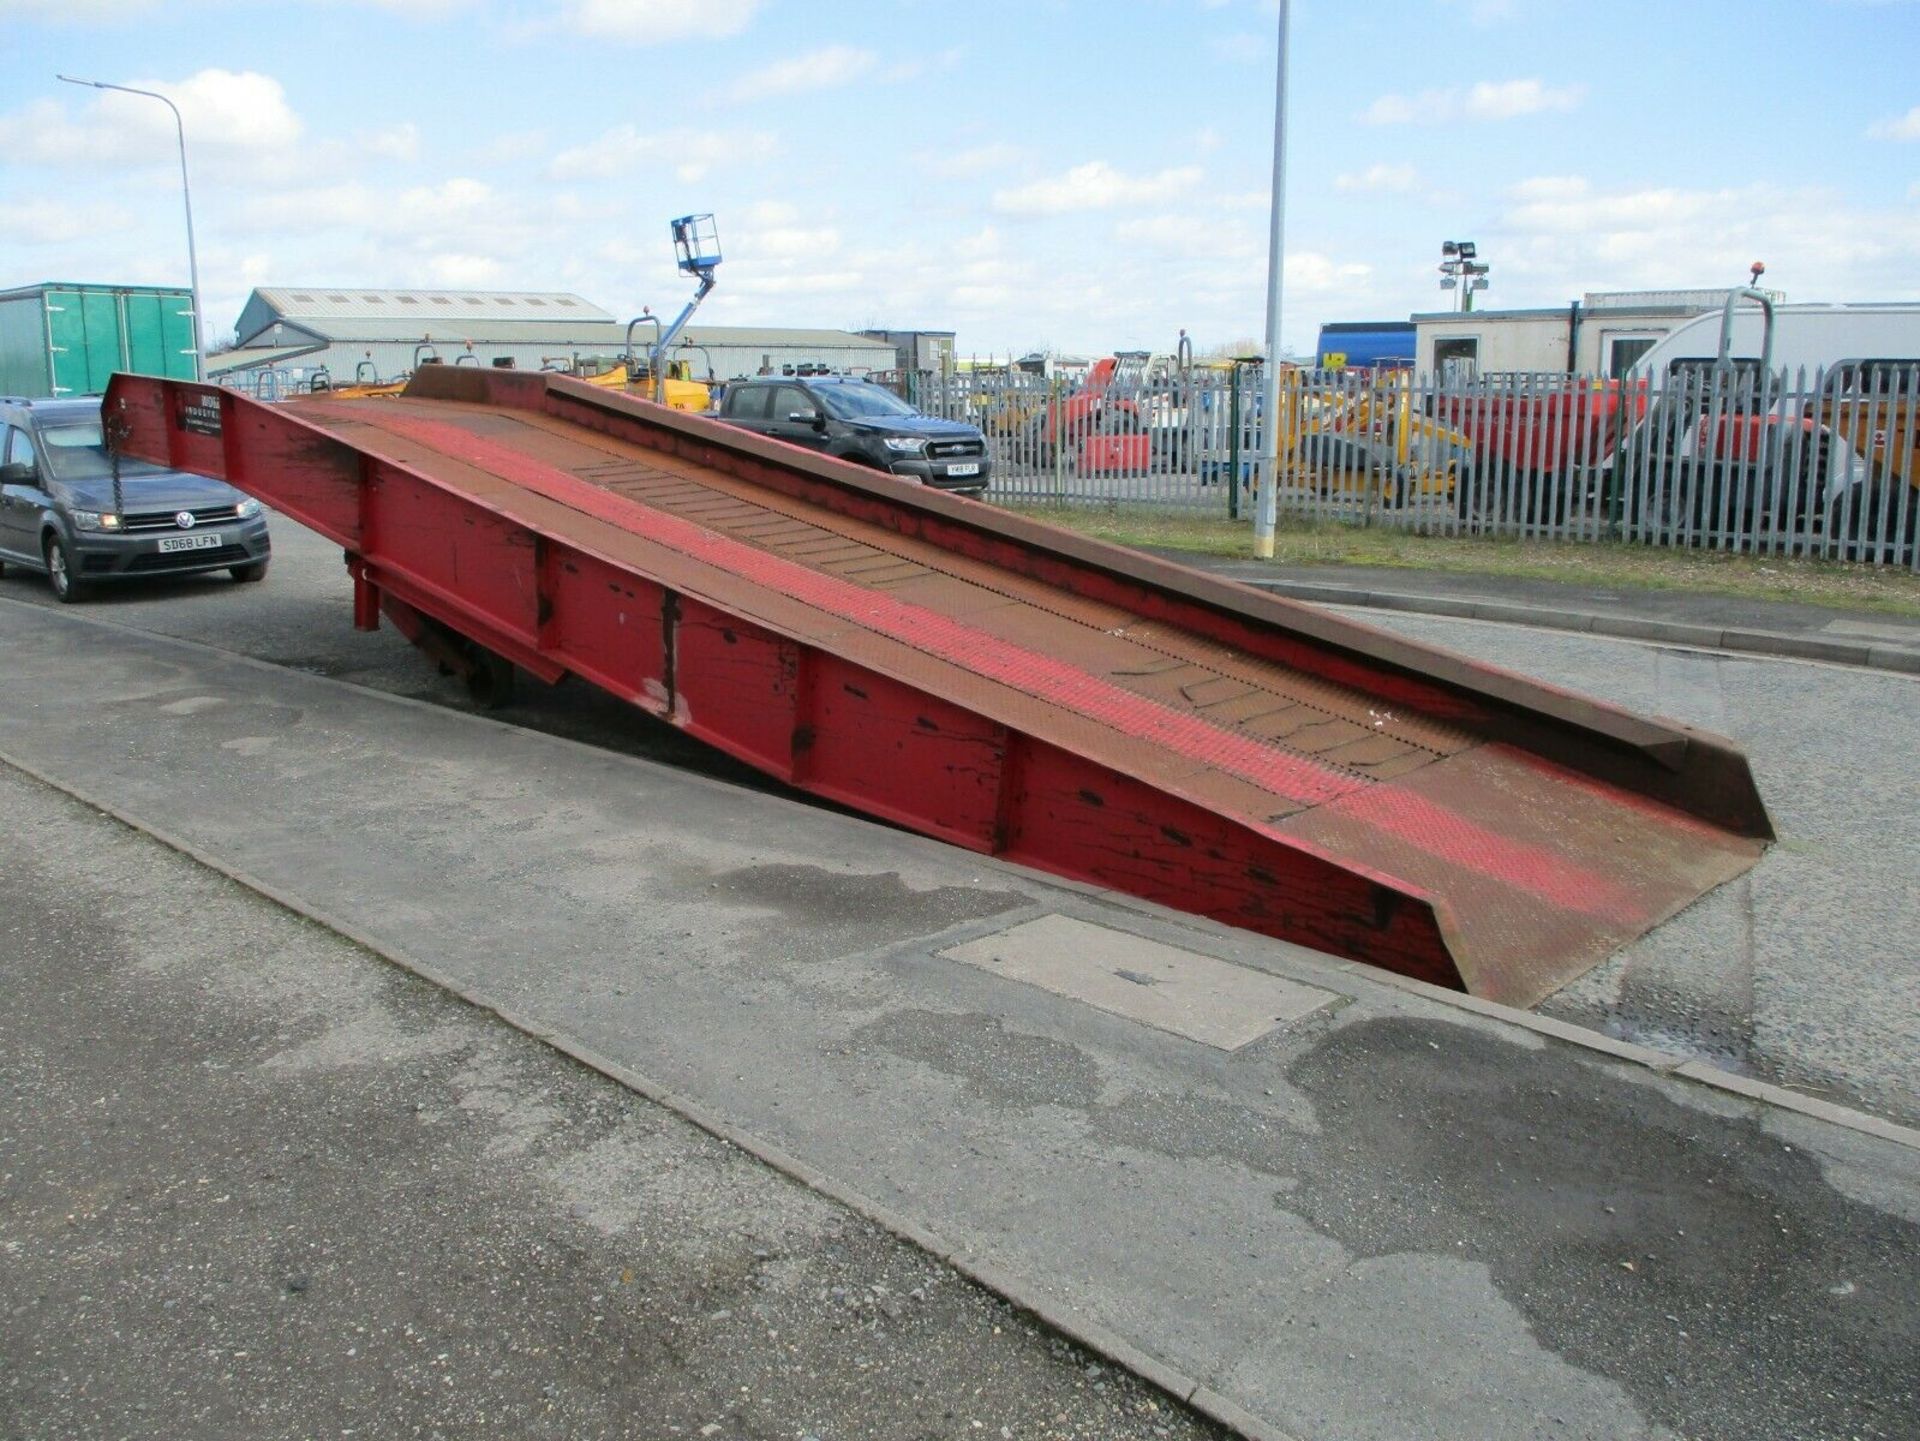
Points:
(696, 246)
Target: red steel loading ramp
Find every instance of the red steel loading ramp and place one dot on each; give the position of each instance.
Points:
(995, 682)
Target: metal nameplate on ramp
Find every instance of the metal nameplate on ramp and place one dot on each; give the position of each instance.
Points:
(1207, 1000)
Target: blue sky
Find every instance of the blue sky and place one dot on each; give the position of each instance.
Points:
(1066, 173)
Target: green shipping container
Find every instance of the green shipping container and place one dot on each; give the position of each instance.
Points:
(68, 339)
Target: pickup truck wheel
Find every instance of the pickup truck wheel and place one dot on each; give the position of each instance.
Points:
(61, 575)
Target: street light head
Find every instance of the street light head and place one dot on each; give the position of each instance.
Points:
(1468, 250)
(1449, 247)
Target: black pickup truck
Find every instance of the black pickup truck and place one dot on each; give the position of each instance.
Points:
(865, 423)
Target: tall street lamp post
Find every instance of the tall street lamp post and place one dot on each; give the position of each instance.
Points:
(1266, 499)
(186, 195)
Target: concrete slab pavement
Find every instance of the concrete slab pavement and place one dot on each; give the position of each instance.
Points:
(1391, 1216)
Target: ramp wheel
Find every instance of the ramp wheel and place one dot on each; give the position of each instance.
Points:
(489, 678)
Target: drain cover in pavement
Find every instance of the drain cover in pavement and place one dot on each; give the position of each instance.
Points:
(1191, 995)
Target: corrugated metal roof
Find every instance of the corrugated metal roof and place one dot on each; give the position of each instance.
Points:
(772, 335)
(228, 361)
(349, 315)
(325, 302)
(451, 330)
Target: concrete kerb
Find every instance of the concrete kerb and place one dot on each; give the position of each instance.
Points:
(1706, 637)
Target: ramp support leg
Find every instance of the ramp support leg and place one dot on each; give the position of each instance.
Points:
(366, 596)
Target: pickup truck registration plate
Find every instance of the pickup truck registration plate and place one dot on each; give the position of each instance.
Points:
(969, 468)
(212, 540)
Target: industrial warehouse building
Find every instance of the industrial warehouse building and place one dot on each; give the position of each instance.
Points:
(288, 334)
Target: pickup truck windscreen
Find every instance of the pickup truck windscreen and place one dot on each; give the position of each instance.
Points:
(863, 402)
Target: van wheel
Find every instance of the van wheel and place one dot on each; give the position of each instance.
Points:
(247, 574)
(67, 586)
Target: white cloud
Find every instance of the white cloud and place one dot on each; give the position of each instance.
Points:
(82, 12)
(904, 70)
(984, 244)
(975, 160)
(221, 110)
(56, 222)
(1175, 237)
(1485, 100)
(1094, 186)
(656, 22)
(803, 283)
(1506, 99)
(690, 154)
(1898, 127)
(396, 142)
(825, 69)
(240, 130)
(1382, 179)
(784, 242)
(1562, 235)
(244, 109)
(1310, 273)
(772, 212)
(465, 272)
(1550, 187)
(511, 147)
(452, 205)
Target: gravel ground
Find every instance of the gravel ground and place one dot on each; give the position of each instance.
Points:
(255, 1183)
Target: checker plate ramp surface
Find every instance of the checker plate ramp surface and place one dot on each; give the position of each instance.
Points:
(989, 680)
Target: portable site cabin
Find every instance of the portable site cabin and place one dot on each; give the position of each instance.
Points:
(1603, 333)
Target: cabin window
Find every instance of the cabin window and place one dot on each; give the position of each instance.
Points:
(1457, 357)
(1624, 352)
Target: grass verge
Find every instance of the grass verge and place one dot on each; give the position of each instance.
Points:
(1323, 543)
